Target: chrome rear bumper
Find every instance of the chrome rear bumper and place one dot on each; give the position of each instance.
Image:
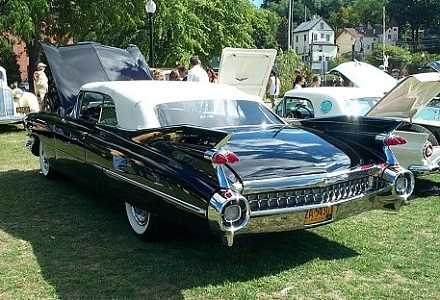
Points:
(284, 207)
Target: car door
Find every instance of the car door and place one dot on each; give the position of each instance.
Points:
(72, 131)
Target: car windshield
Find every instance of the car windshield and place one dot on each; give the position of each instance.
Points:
(215, 113)
(360, 106)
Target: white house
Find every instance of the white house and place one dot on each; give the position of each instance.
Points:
(314, 41)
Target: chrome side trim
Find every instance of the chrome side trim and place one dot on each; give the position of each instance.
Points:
(186, 206)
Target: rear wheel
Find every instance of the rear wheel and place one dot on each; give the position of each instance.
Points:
(144, 224)
(420, 129)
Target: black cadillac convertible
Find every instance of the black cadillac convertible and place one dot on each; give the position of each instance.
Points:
(215, 159)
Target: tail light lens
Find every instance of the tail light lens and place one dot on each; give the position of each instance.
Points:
(222, 157)
(394, 140)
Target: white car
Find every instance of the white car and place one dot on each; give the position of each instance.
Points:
(364, 75)
(408, 100)
(14, 104)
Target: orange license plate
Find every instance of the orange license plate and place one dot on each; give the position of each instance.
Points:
(318, 215)
(23, 110)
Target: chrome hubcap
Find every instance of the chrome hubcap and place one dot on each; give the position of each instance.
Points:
(141, 216)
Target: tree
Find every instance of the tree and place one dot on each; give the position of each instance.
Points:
(417, 13)
(181, 28)
(399, 57)
(285, 64)
(9, 61)
(25, 20)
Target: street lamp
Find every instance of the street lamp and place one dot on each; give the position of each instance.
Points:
(150, 8)
(361, 49)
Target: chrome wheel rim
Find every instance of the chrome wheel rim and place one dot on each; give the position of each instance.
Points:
(141, 216)
(44, 164)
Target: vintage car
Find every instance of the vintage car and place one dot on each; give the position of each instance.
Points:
(216, 160)
(14, 104)
(364, 75)
(411, 100)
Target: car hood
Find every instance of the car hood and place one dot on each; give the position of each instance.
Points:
(411, 95)
(365, 76)
(247, 69)
(283, 151)
(72, 66)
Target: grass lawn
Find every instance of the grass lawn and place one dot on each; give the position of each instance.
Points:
(59, 241)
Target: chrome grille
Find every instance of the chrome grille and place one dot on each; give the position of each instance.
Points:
(315, 195)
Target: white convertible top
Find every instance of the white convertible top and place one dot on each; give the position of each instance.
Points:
(135, 100)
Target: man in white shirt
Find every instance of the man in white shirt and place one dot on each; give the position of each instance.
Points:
(40, 85)
(197, 73)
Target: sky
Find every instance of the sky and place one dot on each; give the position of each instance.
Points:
(257, 3)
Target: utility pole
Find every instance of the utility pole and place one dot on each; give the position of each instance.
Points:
(384, 59)
(290, 20)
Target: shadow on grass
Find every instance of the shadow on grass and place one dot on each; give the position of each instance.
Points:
(86, 250)
(8, 128)
(425, 188)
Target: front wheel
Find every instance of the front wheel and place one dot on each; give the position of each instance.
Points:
(144, 224)
(45, 167)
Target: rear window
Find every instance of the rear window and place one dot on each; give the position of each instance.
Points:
(215, 113)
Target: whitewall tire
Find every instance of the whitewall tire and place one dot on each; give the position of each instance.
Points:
(143, 223)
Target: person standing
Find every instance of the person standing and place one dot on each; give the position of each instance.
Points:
(298, 73)
(274, 87)
(316, 81)
(183, 73)
(158, 74)
(299, 82)
(196, 72)
(212, 76)
(41, 85)
(174, 75)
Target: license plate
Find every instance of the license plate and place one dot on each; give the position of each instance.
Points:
(23, 110)
(318, 215)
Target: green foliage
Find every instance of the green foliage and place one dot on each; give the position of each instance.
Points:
(399, 57)
(23, 18)
(181, 27)
(420, 60)
(8, 60)
(418, 14)
(340, 59)
(265, 26)
(285, 64)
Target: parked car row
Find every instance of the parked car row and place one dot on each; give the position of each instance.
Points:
(413, 99)
(210, 157)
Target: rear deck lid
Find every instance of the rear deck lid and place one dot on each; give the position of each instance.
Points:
(365, 76)
(247, 69)
(410, 96)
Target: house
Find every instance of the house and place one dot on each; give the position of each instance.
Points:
(314, 42)
(362, 39)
